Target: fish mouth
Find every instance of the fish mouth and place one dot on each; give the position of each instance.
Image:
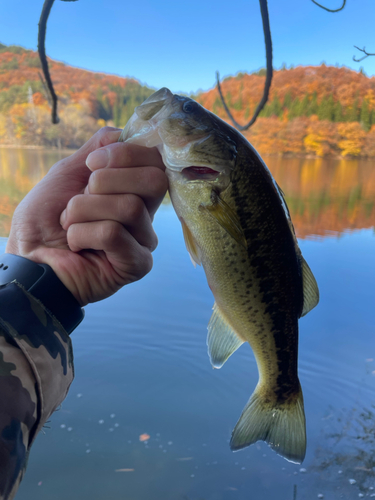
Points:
(200, 173)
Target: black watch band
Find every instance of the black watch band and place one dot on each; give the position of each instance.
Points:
(44, 285)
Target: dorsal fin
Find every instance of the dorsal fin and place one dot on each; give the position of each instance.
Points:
(310, 288)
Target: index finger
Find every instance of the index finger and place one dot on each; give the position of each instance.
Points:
(124, 155)
(75, 164)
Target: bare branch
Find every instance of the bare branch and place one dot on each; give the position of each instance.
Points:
(46, 93)
(294, 492)
(47, 6)
(267, 85)
(367, 54)
(42, 55)
(329, 10)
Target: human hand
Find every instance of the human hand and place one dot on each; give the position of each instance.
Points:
(93, 226)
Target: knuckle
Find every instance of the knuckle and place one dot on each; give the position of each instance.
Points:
(105, 135)
(153, 241)
(74, 205)
(155, 180)
(96, 180)
(158, 181)
(103, 132)
(134, 206)
(112, 233)
(73, 237)
(142, 266)
(129, 155)
(148, 263)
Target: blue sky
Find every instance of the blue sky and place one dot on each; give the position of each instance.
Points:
(180, 45)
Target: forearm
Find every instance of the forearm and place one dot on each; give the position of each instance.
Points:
(36, 370)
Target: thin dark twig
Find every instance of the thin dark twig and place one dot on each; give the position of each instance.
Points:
(42, 55)
(367, 54)
(267, 85)
(329, 10)
(295, 492)
(45, 89)
(47, 81)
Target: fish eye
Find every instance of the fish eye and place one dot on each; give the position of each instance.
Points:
(189, 106)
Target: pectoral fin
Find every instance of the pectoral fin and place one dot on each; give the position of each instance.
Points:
(222, 341)
(310, 288)
(191, 245)
(227, 218)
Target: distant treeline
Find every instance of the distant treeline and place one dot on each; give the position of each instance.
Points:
(321, 111)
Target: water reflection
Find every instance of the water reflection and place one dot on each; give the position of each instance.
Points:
(20, 170)
(142, 366)
(325, 197)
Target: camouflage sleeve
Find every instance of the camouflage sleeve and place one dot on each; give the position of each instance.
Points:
(36, 370)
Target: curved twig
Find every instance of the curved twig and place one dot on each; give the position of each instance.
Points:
(42, 56)
(367, 54)
(267, 85)
(329, 10)
(294, 492)
(47, 6)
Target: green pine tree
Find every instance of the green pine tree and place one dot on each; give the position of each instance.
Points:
(276, 108)
(294, 109)
(338, 114)
(304, 106)
(365, 116)
(313, 106)
(372, 117)
(287, 100)
(322, 109)
(326, 109)
(353, 113)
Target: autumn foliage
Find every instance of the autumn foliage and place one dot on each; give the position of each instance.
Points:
(87, 101)
(319, 111)
(312, 111)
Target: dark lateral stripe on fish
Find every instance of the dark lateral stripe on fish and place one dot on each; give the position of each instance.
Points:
(285, 308)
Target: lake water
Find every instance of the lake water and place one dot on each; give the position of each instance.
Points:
(142, 366)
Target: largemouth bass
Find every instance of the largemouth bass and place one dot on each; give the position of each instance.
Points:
(237, 225)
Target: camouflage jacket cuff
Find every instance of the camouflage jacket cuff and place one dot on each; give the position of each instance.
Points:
(36, 365)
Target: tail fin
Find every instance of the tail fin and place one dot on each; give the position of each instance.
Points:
(281, 425)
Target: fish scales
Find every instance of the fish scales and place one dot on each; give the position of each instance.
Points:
(236, 224)
(274, 262)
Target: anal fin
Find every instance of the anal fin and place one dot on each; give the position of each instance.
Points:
(222, 341)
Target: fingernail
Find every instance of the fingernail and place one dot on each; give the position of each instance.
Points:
(97, 159)
(63, 217)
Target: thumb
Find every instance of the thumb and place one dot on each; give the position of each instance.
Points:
(75, 164)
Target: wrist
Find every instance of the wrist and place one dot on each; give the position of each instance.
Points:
(41, 281)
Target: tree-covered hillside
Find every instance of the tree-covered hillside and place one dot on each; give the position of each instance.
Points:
(315, 110)
(320, 111)
(87, 100)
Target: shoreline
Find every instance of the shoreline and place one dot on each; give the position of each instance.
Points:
(32, 146)
(285, 156)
